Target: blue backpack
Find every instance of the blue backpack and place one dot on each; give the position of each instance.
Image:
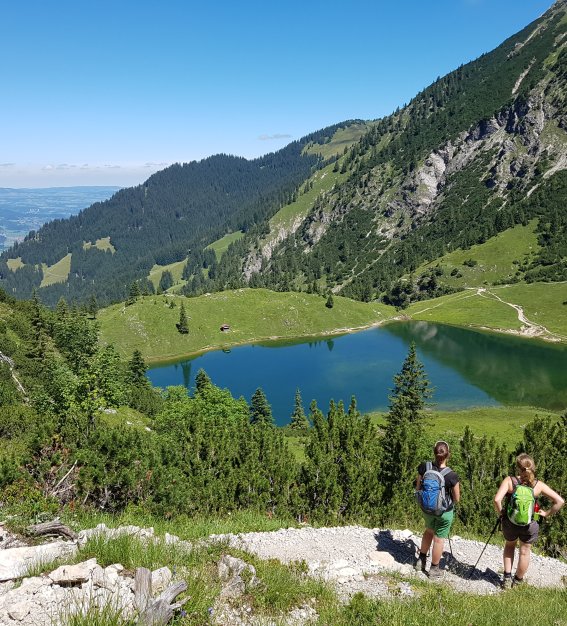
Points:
(433, 497)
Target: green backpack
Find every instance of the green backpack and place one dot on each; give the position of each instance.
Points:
(520, 509)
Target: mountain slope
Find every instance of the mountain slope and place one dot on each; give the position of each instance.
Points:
(180, 209)
(480, 150)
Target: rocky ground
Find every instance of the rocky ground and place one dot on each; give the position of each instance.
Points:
(354, 559)
(357, 558)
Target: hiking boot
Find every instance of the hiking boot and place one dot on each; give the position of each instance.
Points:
(518, 582)
(435, 572)
(419, 562)
(506, 582)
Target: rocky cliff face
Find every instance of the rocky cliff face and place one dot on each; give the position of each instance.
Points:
(516, 147)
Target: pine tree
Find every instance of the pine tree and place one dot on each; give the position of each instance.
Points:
(182, 325)
(202, 381)
(404, 433)
(329, 304)
(92, 307)
(260, 410)
(133, 294)
(299, 420)
(137, 369)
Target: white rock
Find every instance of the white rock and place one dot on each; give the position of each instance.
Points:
(70, 574)
(19, 610)
(15, 562)
(406, 534)
(383, 559)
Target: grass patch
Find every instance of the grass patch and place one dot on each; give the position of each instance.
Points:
(490, 308)
(221, 245)
(176, 270)
(107, 615)
(466, 308)
(323, 181)
(56, 273)
(254, 315)
(542, 304)
(496, 260)
(101, 244)
(343, 138)
(188, 528)
(15, 264)
(126, 416)
(505, 424)
(437, 605)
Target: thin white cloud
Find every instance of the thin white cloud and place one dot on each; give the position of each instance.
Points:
(7, 164)
(155, 166)
(275, 136)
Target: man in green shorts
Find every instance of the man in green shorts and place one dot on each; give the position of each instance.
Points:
(438, 526)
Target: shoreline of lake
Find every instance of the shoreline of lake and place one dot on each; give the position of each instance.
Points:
(468, 367)
(338, 332)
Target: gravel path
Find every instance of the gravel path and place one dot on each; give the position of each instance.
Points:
(359, 559)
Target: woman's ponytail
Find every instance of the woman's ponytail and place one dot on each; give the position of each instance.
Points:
(526, 469)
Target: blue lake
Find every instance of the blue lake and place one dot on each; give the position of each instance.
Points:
(466, 368)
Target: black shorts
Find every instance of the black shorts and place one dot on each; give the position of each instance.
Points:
(526, 534)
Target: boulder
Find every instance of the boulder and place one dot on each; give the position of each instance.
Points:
(70, 574)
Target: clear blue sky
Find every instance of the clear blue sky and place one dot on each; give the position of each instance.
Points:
(107, 92)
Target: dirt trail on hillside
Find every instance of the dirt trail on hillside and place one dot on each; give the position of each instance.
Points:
(529, 328)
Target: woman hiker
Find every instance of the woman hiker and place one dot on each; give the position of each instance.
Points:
(514, 527)
(437, 526)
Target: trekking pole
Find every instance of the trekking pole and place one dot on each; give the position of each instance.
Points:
(489, 538)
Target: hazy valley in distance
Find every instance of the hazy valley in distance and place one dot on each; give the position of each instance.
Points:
(23, 210)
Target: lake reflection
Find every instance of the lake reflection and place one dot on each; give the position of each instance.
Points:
(467, 368)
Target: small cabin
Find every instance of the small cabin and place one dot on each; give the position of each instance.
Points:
(225, 328)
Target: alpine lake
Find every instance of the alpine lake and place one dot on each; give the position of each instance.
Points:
(466, 369)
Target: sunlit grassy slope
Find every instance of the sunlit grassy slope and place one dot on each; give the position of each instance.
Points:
(102, 244)
(221, 245)
(497, 259)
(15, 264)
(253, 315)
(176, 270)
(506, 424)
(343, 138)
(490, 307)
(56, 273)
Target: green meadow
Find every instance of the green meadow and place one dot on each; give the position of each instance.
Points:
(175, 268)
(490, 308)
(496, 260)
(56, 273)
(221, 245)
(254, 315)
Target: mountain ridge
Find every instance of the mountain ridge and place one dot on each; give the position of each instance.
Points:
(480, 150)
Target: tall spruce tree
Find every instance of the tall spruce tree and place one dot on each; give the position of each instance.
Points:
(182, 325)
(202, 381)
(299, 420)
(92, 307)
(403, 439)
(260, 410)
(137, 370)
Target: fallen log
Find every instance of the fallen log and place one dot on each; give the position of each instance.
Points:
(55, 527)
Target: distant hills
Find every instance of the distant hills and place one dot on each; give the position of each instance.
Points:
(366, 209)
(22, 210)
